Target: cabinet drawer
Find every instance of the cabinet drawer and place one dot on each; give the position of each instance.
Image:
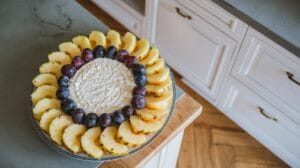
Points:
(217, 16)
(264, 66)
(194, 48)
(263, 121)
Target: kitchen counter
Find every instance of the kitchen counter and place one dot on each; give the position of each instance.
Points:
(277, 19)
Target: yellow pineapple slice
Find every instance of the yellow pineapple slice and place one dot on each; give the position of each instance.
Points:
(59, 57)
(160, 89)
(44, 79)
(44, 105)
(90, 142)
(72, 135)
(57, 127)
(128, 137)
(70, 48)
(150, 114)
(113, 38)
(151, 58)
(45, 91)
(141, 48)
(159, 77)
(48, 117)
(161, 102)
(51, 67)
(82, 41)
(128, 42)
(97, 38)
(156, 66)
(140, 126)
(109, 141)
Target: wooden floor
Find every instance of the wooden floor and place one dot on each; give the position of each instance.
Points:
(213, 140)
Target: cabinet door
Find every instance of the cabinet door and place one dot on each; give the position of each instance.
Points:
(194, 48)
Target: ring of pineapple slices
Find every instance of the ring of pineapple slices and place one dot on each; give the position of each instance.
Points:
(115, 140)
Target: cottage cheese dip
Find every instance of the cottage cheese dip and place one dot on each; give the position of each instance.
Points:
(102, 86)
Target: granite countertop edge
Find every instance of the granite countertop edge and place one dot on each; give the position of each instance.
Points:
(259, 27)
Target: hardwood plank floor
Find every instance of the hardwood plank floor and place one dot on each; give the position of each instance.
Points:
(213, 140)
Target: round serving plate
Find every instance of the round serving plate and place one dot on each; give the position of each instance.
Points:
(81, 156)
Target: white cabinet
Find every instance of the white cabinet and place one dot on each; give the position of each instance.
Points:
(193, 47)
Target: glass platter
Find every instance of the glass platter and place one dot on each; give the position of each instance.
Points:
(81, 156)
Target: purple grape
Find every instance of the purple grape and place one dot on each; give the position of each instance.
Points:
(78, 115)
(128, 111)
(90, 120)
(87, 55)
(104, 120)
(68, 70)
(121, 55)
(77, 62)
(99, 51)
(129, 61)
(138, 69)
(139, 90)
(138, 102)
(111, 52)
(62, 93)
(63, 81)
(140, 80)
(68, 105)
(118, 117)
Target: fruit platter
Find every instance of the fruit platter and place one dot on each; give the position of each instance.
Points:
(102, 97)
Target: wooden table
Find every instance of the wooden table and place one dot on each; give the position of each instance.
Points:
(185, 112)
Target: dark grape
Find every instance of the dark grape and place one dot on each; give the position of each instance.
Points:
(104, 120)
(138, 69)
(129, 61)
(139, 90)
(128, 111)
(138, 102)
(63, 81)
(118, 117)
(90, 120)
(78, 115)
(87, 55)
(68, 70)
(121, 55)
(77, 62)
(68, 105)
(99, 51)
(111, 52)
(140, 80)
(62, 93)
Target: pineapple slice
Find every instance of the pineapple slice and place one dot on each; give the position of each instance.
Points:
(128, 42)
(90, 142)
(44, 79)
(44, 105)
(161, 102)
(57, 127)
(151, 58)
(141, 49)
(97, 38)
(156, 66)
(109, 141)
(113, 38)
(159, 77)
(59, 57)
(51, 67)
(160, 89)
(70, 48)
(48, 117)
(82, 41)
(140, 126)
(43, 92)
(151, 115)
(72, 135)
(128, 137)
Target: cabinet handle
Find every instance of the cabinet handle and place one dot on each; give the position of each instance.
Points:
(291, 77)
(178, 10)
(262, 111)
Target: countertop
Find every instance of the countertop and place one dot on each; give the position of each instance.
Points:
(277, 19)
